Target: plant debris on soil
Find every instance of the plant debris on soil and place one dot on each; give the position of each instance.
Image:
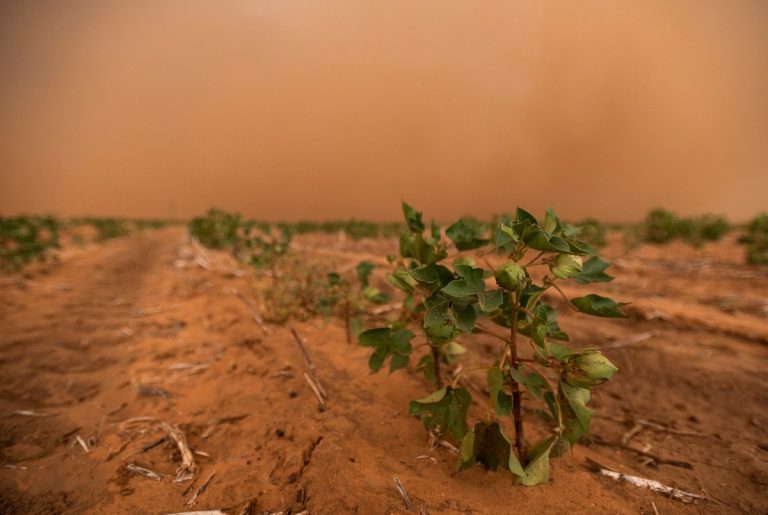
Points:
(148, 386)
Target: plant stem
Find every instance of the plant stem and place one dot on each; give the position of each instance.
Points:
(567, 300)
(436, 365)
(517, 412)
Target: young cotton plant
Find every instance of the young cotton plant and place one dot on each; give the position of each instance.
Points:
(448, 300)
(346, 297)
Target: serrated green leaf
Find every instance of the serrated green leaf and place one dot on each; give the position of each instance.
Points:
(596, 305)
(594, 272)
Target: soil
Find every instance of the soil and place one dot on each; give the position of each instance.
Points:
(116, 339)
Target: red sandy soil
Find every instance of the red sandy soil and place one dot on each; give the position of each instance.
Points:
(134, 328)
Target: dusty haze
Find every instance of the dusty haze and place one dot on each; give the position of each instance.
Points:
(338, 109)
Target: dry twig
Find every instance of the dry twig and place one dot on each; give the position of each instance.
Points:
(151, 474)
(252, 311)
(651, 484)
(308, 361)
(192, 500)
(403, 494)
(187, 458)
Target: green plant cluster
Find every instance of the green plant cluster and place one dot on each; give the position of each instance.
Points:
(256, 243)
(24, 239)
(661, 226)
(348, 297)
(355, 229)
(453, 300)
(106, 228)
(756, 240)
(593, 232)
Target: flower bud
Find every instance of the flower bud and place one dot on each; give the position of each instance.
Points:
(566, 266)
(512, 276)
(589, 368)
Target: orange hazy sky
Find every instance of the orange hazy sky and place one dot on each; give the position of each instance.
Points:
(328, 109)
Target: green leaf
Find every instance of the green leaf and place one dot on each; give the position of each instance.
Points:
(431, 277)
(376, 360)
(543, 325)
(412, 218)
(452, 351)
(398, 361)
(523, 215)
(441, 333)
(502, 401)
(535, 383)
(386, 343)
(598, 306)
(539, 239)
(537, 470)
(577, 400)
(437, 310)
(576, 415)
(334, 279)
(488, 445)
(375, 337)
(364, 269)
(444, 411)
(504, 235)
(551, 221)
(375, 295)
(594, 272)
(464, 316)
(471, 282)
(490, 300)
(402, 280)
(467, 234)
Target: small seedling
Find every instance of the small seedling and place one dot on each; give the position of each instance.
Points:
(348, 298)
(756, 240)
(452, 300)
